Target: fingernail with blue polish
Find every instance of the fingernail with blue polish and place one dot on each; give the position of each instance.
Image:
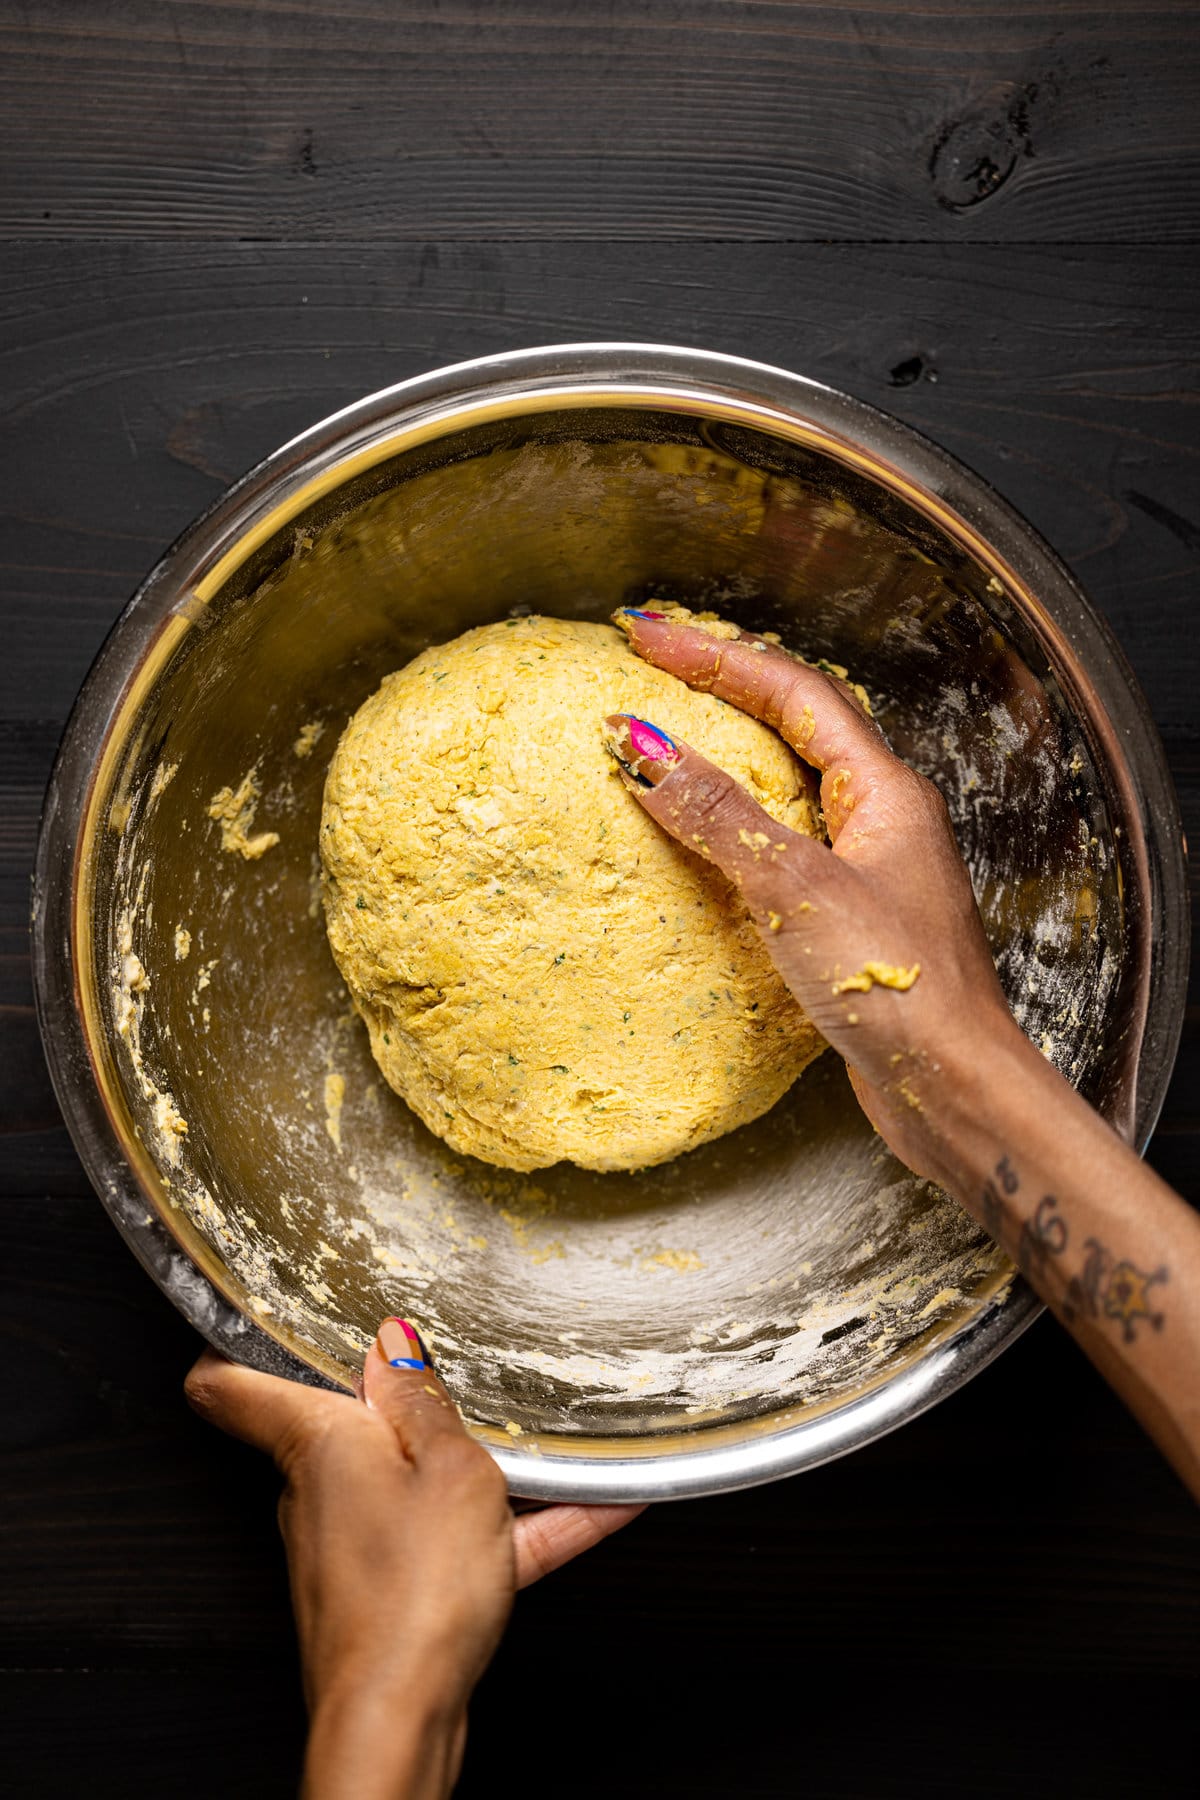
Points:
(644, 751)
(400, 1345)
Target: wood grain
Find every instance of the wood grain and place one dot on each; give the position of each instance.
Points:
(141, 378)
(741, 119)
(773, 1729)
(221, 220)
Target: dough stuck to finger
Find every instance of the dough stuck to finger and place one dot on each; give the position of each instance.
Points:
(543, 972)
(712, 625)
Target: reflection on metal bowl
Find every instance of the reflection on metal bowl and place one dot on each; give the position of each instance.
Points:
(772, 1299)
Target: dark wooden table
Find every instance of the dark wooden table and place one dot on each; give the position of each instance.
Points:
(220, 222)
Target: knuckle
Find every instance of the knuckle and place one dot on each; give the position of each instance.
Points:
(538, 1548)
(779, 690)
(492, 1477)
(927, 798)
(467, 1467)
(460, 1459)
(717, 803)
(305, 1446)
(777, 906)
(203, 1390)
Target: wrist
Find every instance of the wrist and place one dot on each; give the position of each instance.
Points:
(988, 1083)
(390, 1735)
(1005, 1101)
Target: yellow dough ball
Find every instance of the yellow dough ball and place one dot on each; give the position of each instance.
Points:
(544, 973)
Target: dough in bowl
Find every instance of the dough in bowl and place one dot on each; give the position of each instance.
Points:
(544, 973)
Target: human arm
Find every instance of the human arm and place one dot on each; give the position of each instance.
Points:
(938, 1062)
(403, 1557)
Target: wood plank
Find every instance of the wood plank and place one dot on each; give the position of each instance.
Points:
(141, 377)
(740, 119)
(236, 1732)
(790, 1729)
(583, 1715)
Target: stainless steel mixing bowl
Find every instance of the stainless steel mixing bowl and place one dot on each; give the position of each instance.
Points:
(771, 1300)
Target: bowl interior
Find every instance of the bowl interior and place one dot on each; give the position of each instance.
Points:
(793, 1265)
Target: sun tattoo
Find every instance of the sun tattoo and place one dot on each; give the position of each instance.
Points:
(1125, 1297)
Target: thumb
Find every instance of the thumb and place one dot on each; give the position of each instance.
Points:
(399, 1383)
(774, 868)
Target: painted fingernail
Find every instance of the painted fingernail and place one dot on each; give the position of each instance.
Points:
(400, 1345)
(642, 749)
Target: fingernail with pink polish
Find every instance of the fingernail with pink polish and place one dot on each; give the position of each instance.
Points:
(400, 1345)
(642, 749)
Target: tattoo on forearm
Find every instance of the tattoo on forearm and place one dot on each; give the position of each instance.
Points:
(1119, 1290)
(1104, 1288)
(1042, 1236)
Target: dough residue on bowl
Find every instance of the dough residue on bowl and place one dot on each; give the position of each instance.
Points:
(234, 810)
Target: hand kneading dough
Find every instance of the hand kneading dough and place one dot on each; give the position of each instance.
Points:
(543, 972)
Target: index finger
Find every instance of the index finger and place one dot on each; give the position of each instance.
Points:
(813, 712)
(547, 1539)
(267, 1411)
